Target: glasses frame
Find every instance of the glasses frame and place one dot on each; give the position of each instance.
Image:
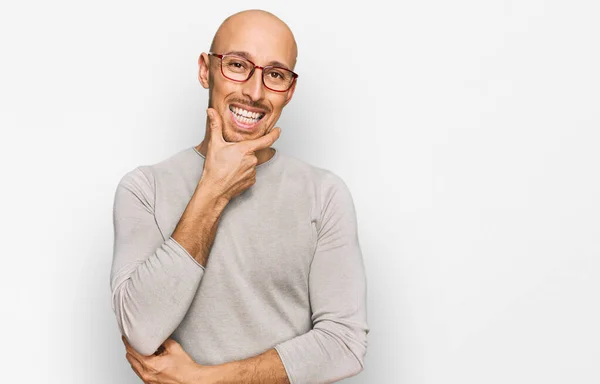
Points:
(221, 56)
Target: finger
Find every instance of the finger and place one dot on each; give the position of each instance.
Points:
(173, 347)
(215, 125)
(126, 342)
(130, 349)
(170, 344)
(159, 351)
(262, 142)
(135, 365)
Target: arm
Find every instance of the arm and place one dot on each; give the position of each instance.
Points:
(264, 368)
(336, 346)
(153, 280)
(197, 228)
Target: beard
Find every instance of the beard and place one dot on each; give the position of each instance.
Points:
(231, 132)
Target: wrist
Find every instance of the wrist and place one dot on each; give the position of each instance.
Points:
(209, 374)
(210, 196)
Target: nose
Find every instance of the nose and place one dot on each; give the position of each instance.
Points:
(253, 88)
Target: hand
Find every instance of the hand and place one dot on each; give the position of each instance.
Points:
(231, 167)
(169, 365)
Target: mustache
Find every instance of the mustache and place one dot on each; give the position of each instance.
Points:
(252, 104)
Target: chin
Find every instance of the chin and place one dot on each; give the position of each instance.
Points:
(234, 135)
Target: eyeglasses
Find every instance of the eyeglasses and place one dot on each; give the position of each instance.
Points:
(238, 69)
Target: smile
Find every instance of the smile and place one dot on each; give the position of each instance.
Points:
(244, 118)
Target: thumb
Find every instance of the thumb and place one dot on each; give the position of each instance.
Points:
(171, 344)
(264, 141)
(215, 125)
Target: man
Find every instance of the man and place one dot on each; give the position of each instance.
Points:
(276, 294)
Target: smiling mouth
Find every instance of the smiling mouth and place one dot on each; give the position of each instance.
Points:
(246, 117)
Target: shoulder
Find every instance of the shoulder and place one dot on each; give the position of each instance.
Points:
(176, 163)
(142, 179)
(325, 184)
(325, 179)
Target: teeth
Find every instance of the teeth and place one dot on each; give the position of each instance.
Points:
(245, 113)
(246, 120)
(245, 116)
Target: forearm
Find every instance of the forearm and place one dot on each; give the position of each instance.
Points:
(197, 228)
(265, 368)
(154, 280)
(153, 298)
(335, 347)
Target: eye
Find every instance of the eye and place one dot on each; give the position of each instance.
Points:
(278, 74)
(236, 64)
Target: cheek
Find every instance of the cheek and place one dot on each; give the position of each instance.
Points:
(218, 95)
(277, 103)
(221, 87)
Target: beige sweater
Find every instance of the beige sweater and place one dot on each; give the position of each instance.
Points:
(285, 270)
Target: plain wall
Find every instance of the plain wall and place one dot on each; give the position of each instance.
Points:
(467, 132)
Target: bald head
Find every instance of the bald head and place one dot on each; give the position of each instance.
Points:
(249, 108)
(260, 30)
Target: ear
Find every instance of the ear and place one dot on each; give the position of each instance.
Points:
(290, 93)
(204, 70)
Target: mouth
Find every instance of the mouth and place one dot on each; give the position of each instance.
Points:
(244, 118)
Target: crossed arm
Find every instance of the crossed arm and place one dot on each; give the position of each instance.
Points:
(174, 365)
(155, 276)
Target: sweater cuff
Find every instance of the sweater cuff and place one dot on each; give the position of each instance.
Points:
(181, 251)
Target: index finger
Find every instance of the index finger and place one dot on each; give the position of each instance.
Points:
(262, 142)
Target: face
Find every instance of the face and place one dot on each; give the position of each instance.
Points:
(262, 44)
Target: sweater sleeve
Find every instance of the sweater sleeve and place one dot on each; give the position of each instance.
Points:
(335, 347)
(153, 280)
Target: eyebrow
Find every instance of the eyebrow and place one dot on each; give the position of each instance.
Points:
(247, 55)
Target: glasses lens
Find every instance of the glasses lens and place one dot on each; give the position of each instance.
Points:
(278, 79)
(236, 68)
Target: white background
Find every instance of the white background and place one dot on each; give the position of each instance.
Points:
(467, 131)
